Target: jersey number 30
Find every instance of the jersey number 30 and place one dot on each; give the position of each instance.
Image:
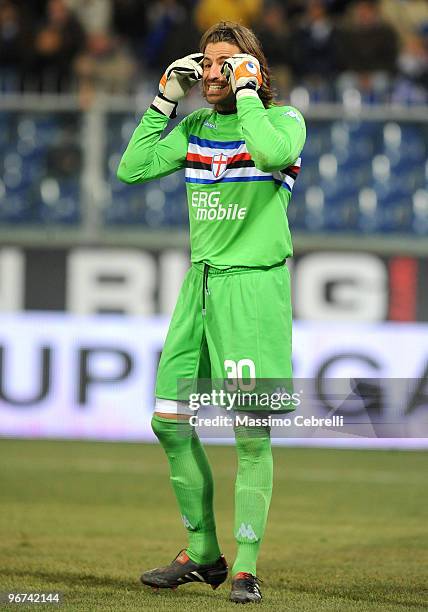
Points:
(242, 374)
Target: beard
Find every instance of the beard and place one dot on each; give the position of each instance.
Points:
(227, 101)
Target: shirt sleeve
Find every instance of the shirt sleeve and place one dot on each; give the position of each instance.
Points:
(147, 156)
(274, 136)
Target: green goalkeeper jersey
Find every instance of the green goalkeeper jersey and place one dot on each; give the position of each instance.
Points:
(239, 171)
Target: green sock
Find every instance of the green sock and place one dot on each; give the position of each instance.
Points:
(253, 492)
(192, 481)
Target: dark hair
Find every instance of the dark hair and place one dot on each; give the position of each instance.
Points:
(247, 41)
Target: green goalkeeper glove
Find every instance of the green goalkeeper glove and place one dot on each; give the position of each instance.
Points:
(176, 82)
(243, 73)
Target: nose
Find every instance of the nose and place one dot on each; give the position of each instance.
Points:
(215, 72)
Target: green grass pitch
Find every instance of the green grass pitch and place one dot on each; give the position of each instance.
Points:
(347, 529)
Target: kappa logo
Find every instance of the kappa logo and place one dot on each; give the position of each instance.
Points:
(219, 164)
(293, 114)
(186, 522)
(246, 531)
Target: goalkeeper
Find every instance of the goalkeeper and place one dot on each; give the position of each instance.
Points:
(233, 315)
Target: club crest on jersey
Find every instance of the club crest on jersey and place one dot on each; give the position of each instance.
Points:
(219, 164)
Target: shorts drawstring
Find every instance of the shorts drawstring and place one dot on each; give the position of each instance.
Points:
(205, 290)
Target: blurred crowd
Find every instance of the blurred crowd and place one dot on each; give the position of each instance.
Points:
(326, 48)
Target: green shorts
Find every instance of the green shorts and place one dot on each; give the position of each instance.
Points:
(228, 324)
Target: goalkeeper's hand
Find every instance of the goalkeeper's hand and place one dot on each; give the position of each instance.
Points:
(243, 73)
(176, 82)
